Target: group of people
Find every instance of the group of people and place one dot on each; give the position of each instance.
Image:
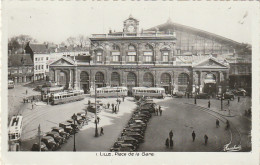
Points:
(158, 110)
(169, 140)
(101, 128)
(114, 107)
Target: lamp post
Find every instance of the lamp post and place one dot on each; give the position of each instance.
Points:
(96, 129)
(74, 117)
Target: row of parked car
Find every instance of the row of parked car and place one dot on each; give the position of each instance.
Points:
(133, 134)
(51, 141)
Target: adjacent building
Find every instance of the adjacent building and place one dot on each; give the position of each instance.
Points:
(20, 68)
(172, 56)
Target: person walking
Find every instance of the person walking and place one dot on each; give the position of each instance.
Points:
(195, 100)
(32, 105)
(206, 139)
(217, 123)
(26, 91)
(115, 109)
(193, 136)
(101, 131)
(228, 102)
(238, 99)
(113, 105)
(89, 102)
(167, 142)
(98, 119)
(160, 112)
(108, 105)
(123, 98)
(171, 134)
(209, 104)
(171, 143)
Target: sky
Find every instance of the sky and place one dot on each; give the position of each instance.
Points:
(56, 21)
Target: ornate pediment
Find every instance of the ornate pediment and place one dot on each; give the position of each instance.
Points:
(210, 63)
(63, 62)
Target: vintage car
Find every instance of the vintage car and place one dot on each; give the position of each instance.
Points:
(143, 119)
(124, 145)
(179, 94)
(74, 126)
(134, 130)
(239, 92)
(121, 149)
(58, 139)
(227, 95)
(50, 143)
(134, 135)
(128, 139)
(138, 122)
(67, 127)
(61, 131)
(36, 147)
(202, 96)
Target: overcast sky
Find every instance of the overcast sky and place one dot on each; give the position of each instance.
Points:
(56, 21)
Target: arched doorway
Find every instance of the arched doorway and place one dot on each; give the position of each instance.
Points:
(84, 81)
(99, 79)
(115, 79)
(210, 84)
(131, 82)
(166, 82)
(62, 79)
(183, 82)
(148, 80)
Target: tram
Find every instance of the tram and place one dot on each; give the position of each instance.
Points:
(67, 96)
(15, 128)
(10, 84)
(148, 92)
(48, 91)
(110, 92)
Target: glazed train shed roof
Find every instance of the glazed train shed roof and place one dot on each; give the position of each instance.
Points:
(175, 26)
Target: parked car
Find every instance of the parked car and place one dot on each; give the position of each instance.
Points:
(179, 94)
(121, 149)
(74, 126)
(227, 95)
(58, 139)
(134, 130)
(130, 140)
(135, 135)
(240, 92)
(202, 96)
(124, 145)
(67, 127)
(138, 122)
(50, 143)
(61, 131)
(36, 147)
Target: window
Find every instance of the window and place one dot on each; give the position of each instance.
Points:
(36, 67)
(47, 58)
(148, 56)
(131, 58)
(47, 66)
(42, 59)
(131, 53)
(115, 56)
(42, 66)
(183, 79)
(165, 57)
(99, 56)
(35, 59)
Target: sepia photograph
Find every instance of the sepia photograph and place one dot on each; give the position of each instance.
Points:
(139, 77)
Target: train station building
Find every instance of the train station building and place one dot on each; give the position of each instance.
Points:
(172, 56)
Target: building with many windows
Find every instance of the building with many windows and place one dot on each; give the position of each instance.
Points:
(172, 56)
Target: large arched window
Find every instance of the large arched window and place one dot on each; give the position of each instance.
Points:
(183, 79)
(115, 79)
(84, 77)
(148, 80)
(165, 78)
(99, 77)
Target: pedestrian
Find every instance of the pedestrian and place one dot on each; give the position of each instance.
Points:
(113, 105)
(195, 100)
(123, 98)
(171, 143)
(157, 112)
(228, 102)
(167, 142)
(171, 134)
(238, 98)
(101, 131)
(115, 109)
(89, 102)
(188, 95)
(119, 101)
(26, 91)
(160, 107)
(227, 125)
(33, 98)
(206, 139)
(217, 123)
(209, 104)
(160, 112)
(23, 100)
(108, 105)
(193, 136)
(32, 106)
(98, 119)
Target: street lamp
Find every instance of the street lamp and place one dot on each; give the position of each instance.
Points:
(96, 129)
(74, 117)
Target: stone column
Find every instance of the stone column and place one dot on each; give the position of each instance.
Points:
(201, 82)
(175, 82)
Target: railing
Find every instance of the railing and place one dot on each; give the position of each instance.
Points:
(121, 35)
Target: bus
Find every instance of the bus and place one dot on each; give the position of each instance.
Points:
(110, 92)
(10, 84)
(67, 96)
(15, 128)
(48, 91)
(148, 92)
